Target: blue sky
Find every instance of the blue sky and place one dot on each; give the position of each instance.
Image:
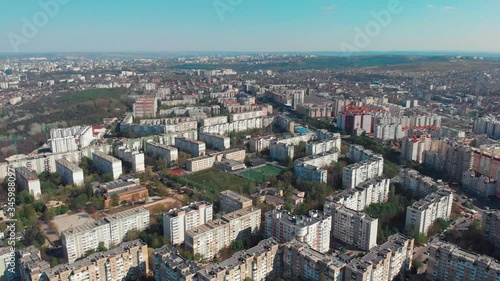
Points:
(249, 25)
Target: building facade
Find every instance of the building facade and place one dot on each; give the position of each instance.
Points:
(111, 230)
(69, 172)
(313, 229)
(351, 227)
(107, 164)
(29, 181)
(176, 222)
(423, 213)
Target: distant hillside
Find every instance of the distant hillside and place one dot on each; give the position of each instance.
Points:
(322, 63)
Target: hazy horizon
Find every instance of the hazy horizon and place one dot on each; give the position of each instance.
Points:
(250, 26)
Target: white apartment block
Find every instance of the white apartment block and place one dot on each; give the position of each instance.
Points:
(200, 163)
(384, 262)
(133, 157)
(245, 115)
(357, 173)
(177, 221)
(128, 261)
(107, 164)
(217, 142)
(311, 168)
(491, 223)
(111, 230)
(257, 263)
(194, 147)
(181, 127)
(479, 184)
(368, 192)
(424, 212)
(281, 151)
(238, 126)
(208, 239)
(488, 125)
(169, 265)
(28, 180)
(167, 152)
(70, 139)
(296, 139)
(352, 227)
(413, 148)
(358, 153)
(301, 261)
(214, 121)
(232, 154)
(313, 229)
(318, 147)
(46, 162)
(386, 132)
(69, 172)
(419, 184)
(448, 262)
(260, 143)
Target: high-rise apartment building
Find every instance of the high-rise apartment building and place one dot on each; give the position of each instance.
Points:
(145, 107)
(311, 168)
(448, 262)
(364, 170)
(301, 261)
(351, 227)
(169, 265)
(107, 164)
(128, 261)
(422, 214)
(69, 172)
(258, 263)
(177, 221)
(167, 152)
(369, 192)
(110, 231)
(384, 262)
(28, 180)
(313, 228)
(491, 223)
(208, 239)
(70, 139)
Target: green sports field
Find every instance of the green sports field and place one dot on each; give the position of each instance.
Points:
(261, 173)
(213, 181)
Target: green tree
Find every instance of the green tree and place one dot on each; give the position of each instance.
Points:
(101, 247)
(238, 245)
(115, 198)
(49, 214)
(420, 239)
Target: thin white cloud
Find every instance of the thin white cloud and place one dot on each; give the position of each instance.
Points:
(430, 6)
(449, 8)
(330, 8)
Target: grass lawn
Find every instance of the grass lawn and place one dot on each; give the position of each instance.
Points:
(213, 181)
(91, 95)
(261, 174)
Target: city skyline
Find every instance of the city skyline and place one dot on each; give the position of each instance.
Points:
(244, 26)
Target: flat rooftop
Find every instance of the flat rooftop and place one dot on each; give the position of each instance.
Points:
(106, 156)
(63, 222)
(235, 196)
(71, 166)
